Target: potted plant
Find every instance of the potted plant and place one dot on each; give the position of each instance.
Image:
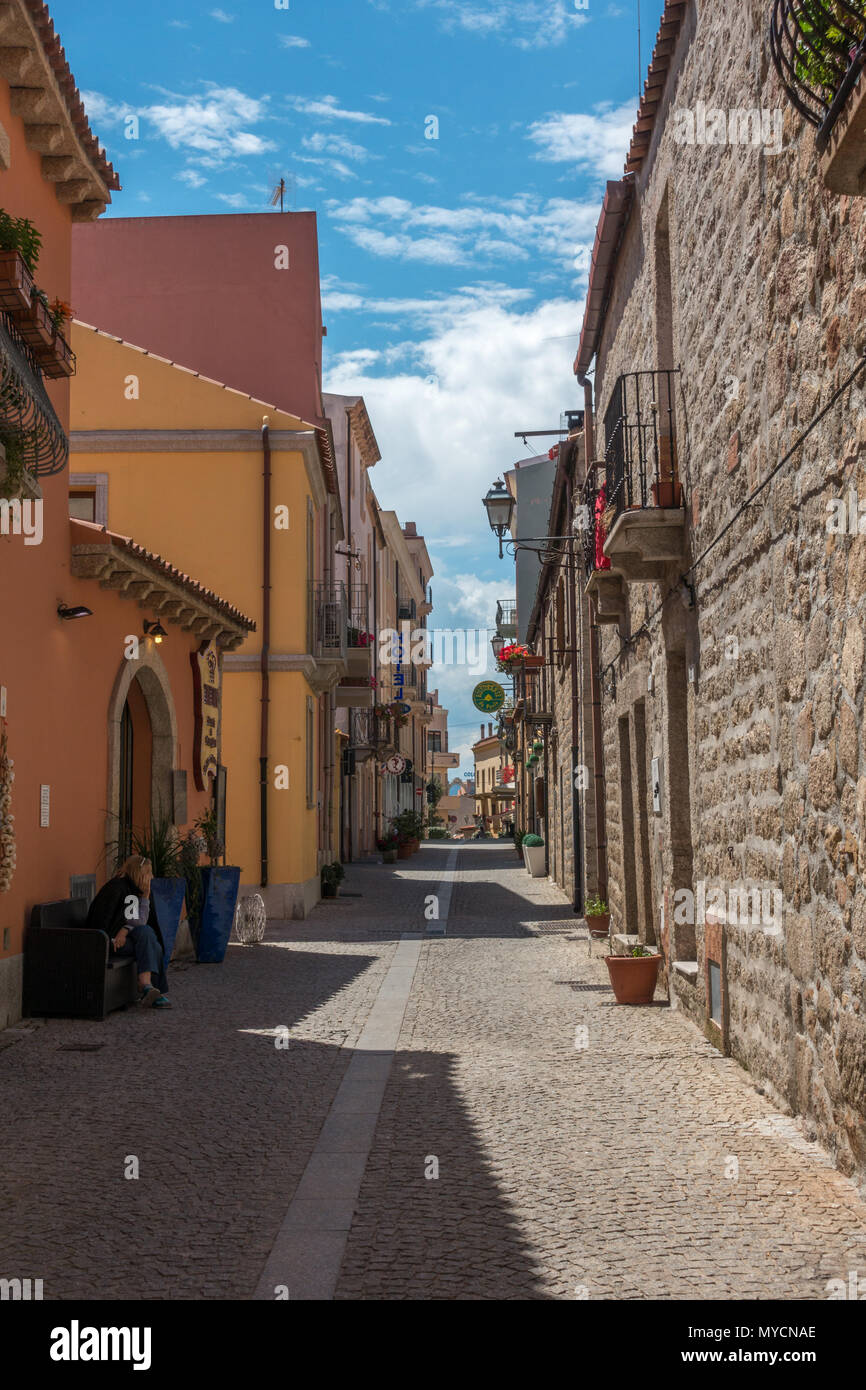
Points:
(534, 856)
(518, 842)
(387, 846)
(35, 323)
(597, 914)
(20, 244)
(219, 894)
(331, 876)
(58, 360)
(538, 746)
(159, 843)
(634, 976)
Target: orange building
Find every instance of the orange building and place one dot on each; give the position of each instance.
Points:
(98, 720)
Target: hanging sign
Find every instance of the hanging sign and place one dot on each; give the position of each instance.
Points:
(396, 764)
(207, 697)
(488, 697)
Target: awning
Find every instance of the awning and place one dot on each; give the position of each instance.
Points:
(25, 409)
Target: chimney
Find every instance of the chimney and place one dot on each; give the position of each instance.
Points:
(489, 730)
(410, 530)
(482, 730)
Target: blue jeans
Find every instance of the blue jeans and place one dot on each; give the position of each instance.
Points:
(142, 943)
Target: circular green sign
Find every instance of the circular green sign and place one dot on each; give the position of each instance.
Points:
(488, 697)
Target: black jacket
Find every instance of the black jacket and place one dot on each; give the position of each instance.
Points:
(107, 911)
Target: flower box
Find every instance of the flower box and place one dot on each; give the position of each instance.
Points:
(16, 283)
(57, 360)
(36, 326)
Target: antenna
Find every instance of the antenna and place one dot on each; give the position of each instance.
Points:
(640, 64)
(279, 194)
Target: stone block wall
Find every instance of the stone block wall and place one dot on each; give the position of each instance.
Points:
(768, 312)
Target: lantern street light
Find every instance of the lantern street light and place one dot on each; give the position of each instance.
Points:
(497, 643)
(499, 505)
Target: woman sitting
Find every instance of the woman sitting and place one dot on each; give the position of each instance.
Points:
(121, 909)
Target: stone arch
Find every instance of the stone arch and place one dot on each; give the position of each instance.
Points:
(149, 670)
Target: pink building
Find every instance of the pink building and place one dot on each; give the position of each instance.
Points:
(236, 297)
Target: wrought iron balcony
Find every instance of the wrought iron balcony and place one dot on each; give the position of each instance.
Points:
(27, 418)
(629, 513)
(330, 627)
(506, 618)
(818, 50)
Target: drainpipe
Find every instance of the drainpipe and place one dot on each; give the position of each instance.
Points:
(266, 649)
(576, 823)
(377, 779)
(348, 780)
(328, 763)
(595, 686)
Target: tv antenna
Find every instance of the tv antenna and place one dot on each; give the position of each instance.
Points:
(279, 195)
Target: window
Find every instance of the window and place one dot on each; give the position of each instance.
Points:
(715, 974)
(82, 504)
(434, 742)
(311, 558)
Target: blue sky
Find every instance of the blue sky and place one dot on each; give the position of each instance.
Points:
(453, 268)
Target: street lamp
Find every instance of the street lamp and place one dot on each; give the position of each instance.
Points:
(499, 505)
(497, 643)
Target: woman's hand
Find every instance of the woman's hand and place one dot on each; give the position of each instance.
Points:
(120, 940)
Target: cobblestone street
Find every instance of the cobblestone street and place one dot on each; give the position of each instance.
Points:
(643, 1165)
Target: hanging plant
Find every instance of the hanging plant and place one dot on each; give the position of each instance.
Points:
(7, 820)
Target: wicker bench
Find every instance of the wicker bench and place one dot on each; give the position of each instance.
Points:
(70, 970)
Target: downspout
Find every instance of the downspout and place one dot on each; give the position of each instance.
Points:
(576, 822)
(378, 779)
(328, 817)
(595, 686)
(266, 650)
(346, 782)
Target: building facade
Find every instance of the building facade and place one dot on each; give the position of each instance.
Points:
(726, 317)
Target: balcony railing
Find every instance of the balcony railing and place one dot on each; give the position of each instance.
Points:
(641, 467)
(27, 418)
(506, 618)
(329, 622)
(406, 609)
(359, 634)
(818, 48)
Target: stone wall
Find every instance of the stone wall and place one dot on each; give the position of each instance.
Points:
(753, 700)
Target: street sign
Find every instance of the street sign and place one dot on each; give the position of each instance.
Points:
(488, 696)
(396, 764)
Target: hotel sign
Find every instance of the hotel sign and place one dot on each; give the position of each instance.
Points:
(208, 703)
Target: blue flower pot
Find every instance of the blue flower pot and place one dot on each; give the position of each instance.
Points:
(166, 898)
(219, 887)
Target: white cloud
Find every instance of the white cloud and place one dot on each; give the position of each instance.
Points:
(597, 142)
(222, 17)
(234, 200)
(192, 177)
(513, 229)
(214, 125)
(329, 108)
(331, 143)
(485, 366)
(525, 23)
(293, 41)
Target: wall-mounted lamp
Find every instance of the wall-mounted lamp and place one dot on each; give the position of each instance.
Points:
(155, 630)
(77, 610)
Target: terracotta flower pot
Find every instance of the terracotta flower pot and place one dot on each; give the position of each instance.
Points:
(389, 856)
(404, 851)
(599, 925)
(633, 977)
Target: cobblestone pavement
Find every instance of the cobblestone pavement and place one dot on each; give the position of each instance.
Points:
(600, 1171)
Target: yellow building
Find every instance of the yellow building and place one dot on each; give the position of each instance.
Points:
(494, 799)
(243, 496)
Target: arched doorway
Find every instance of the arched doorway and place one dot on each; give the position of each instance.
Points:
(136, 767)
(142, 740)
